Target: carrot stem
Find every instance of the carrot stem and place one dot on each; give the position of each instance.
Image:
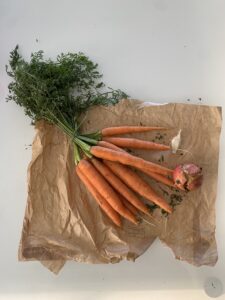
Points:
(76, 154)
(94, 135)
(88, 139)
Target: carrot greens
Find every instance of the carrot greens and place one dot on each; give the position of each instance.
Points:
(58, 91)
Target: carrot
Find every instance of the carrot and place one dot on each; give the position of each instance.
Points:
(155, 176)
(128, 159)
(129, 206)
(119, 185)
(110, 212)
(136, 143)
(160, 178)
(104, 189)
(128, 129)
(109, 146)
(138, 184)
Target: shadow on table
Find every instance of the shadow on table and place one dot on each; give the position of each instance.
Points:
(157, 269)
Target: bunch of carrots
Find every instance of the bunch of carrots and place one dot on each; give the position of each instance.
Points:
(106, 170)
(59, 92)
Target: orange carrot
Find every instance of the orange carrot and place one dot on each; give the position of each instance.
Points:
(155, 176)
(136, 143)
(160, 178)
(128, 129)
(119, 185)
(128, 159)
(138, 184)
(109, 146)
(110, 212)
(129, 206)
(104, 189)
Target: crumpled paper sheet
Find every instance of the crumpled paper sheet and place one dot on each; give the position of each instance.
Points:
(63, 222)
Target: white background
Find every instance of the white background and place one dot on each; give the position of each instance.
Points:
(157, 50)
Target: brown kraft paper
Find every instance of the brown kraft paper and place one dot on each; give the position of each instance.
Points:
(63, 222)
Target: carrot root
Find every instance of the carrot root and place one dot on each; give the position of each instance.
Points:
(128, 159)
(110, 146)
(160, 178)
(128, 129)
(138, 184)
(104, 189)
(119, 185)
(129, 206)
(136, 144)
(109, 211)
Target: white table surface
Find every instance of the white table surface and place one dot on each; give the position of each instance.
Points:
(156, 50)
